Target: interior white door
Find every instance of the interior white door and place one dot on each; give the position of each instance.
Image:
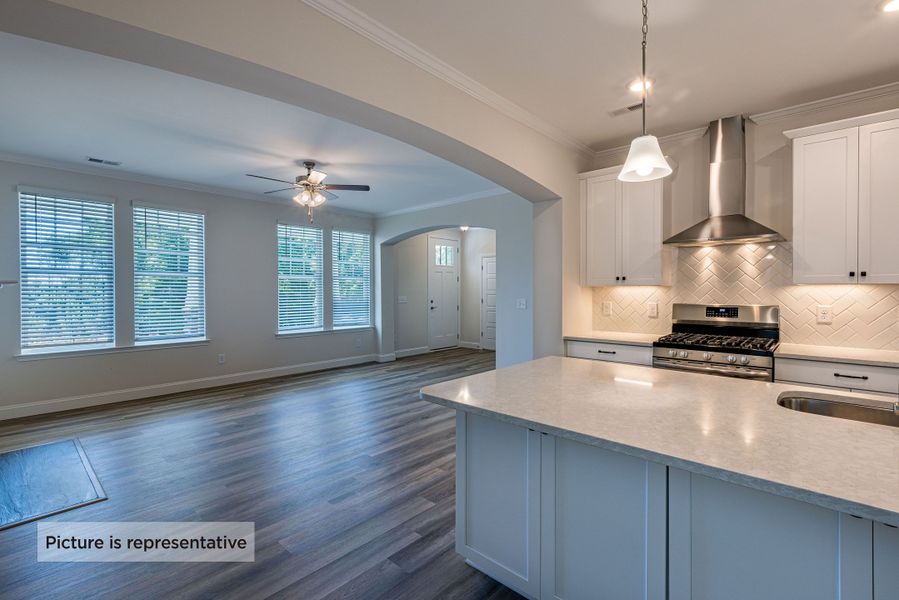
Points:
(825, 207)
(878, 203)
(443, 292)
(641, 233)
(488, 303)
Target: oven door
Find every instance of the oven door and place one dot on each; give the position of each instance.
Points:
(757, 373)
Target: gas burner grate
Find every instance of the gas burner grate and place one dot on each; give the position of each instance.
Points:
(726, 342)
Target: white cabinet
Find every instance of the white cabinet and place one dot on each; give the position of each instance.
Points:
(635, 355)
(734, 542)
(498, 500)
(845, 205)
(886, 562)
(621, 232)
(858, 378)
(604, 523)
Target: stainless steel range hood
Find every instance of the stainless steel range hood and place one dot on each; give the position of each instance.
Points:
(727, 223)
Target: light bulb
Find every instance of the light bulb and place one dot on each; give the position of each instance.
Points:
(317, 199)
(644, 170)
(636, 85)
(891, 6)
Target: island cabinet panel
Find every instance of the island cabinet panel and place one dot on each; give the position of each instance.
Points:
(886, 562)
(604, 523)
(498, 500)
(731, 541)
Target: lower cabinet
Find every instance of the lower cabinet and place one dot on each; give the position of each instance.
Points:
(730, 541)
(557, 519)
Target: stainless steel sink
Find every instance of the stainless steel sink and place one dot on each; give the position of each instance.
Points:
(881, 413)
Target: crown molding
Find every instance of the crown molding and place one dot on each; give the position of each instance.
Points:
(674, 138)
(455, 200)
(377, 32)
(880, 91)
(119, 175)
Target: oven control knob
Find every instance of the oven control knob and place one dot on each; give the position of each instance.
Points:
(731, 358)
(672, 353)
(706, 356)
(744, 360)
(683, 354)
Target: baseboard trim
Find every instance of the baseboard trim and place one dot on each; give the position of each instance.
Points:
(472, 345)
(28, 409)
(412, 351)
(383, 358)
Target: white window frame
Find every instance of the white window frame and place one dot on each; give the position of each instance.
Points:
(371, 277)
(325, 237)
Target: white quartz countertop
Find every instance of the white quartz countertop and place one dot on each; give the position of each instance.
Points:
(615, 337)
(858, 356)
(727, 428)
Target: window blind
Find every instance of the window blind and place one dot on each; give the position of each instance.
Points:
(300, 282)
(169, 275)
(66, 272)
(351, 269)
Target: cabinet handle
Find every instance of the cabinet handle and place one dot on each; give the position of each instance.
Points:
(863, 377)
(864, 273)
(617, 278)
(851, 273)
(606, 352)
(623, 278)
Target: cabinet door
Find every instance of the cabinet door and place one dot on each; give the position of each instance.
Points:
(601, 248)
(498, 500)
(730, 541)
(886, 562)
(603, 524)
(641, 233)
(878, 200)
(825, 207)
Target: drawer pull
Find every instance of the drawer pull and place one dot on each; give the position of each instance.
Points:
(863, 377)
(606, 352)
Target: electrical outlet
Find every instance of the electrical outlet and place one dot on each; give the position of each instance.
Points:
(358, 341)
(521, 304)
(402, 300)
(824, 314)
(221, 359)
(653, 309)
(607, 309)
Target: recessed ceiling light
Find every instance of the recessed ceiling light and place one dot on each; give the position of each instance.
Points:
(463, 227)
(890, 6)
(636, 85)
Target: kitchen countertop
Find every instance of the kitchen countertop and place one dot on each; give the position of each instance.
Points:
(615, 337)
(731, 429)
(858, 356)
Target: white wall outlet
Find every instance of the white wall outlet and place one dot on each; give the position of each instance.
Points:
(402, 300)
(653, 310)
(607, 309)
(824, 314)
(521, 304)
(221, 359)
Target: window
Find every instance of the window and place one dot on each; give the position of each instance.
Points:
(300, 281)
(351, 269)
(443, 256)
(67, 273)
(169, 275)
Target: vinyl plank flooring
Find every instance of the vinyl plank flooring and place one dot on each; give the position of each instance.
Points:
(348, 476)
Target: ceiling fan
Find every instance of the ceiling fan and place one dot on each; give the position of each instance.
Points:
(311, 192)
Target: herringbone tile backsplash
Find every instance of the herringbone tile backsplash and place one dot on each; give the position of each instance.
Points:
(864, 316)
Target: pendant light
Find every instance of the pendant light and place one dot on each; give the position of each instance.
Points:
(645, 161)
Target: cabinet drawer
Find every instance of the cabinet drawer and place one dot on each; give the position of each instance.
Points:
(637, 355)
(861, 378)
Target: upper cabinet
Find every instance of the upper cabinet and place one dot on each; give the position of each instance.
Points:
(845, 203)
(621, 232)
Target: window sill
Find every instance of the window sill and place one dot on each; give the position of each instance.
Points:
(315, 332)
(90, 351)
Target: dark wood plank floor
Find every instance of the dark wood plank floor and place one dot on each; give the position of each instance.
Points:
(348, 476)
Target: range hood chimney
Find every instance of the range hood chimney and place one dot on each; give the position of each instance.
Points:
(727, 222)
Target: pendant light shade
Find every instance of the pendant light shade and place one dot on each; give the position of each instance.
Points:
(645, 161)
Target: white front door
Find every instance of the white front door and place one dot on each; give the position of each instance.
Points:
(443, 292)
(488, 303)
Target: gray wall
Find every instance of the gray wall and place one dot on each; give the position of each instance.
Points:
(241, 300)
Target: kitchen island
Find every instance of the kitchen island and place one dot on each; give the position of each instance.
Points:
(585, 479)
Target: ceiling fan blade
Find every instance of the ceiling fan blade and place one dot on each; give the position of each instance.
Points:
(270, 179)
(281, 190)
(349, 188)
(329, 195)
(316, 177)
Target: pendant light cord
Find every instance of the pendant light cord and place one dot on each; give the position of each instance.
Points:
(643, 81)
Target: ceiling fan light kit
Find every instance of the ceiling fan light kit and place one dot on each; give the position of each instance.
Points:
(645, 161)
(311, 192)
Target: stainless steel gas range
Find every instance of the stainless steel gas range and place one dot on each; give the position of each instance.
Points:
(721, 339)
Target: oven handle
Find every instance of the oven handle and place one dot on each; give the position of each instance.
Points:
(747, 372)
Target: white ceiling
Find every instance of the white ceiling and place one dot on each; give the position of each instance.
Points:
(63, 105)
(568, 62)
